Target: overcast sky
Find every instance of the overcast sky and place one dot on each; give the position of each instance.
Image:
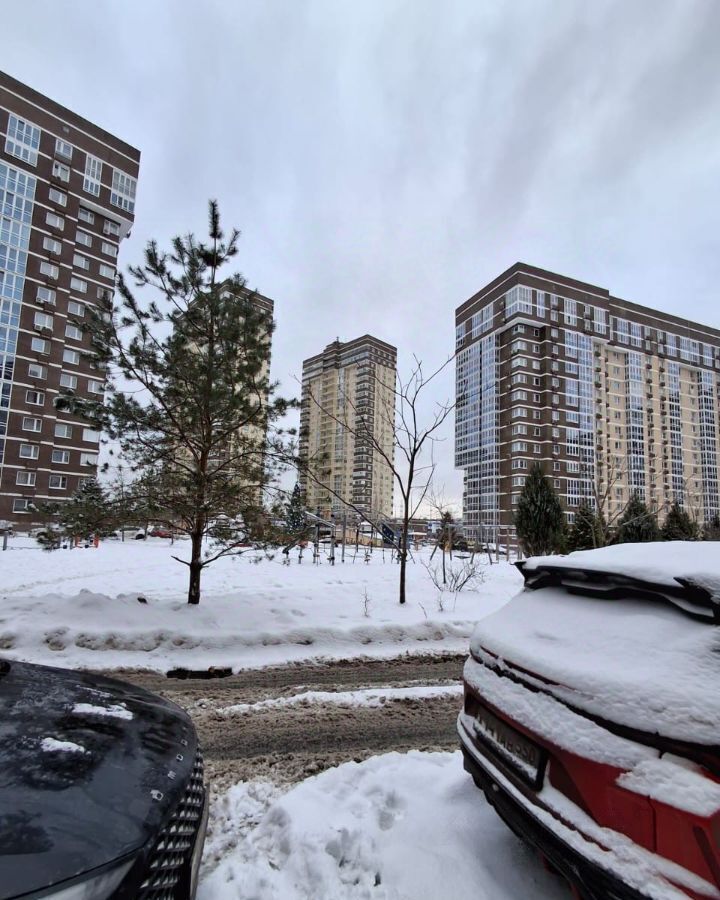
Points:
(384, 160)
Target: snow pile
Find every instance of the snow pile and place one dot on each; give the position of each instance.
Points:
(52, 745)
(675, 782)
(79, 608)
(635, 662)
(114, 711)
(396, 827)
(368, 697)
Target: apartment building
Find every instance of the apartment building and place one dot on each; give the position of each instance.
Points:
(67, 200)
(610, 397)
(249, 442)
(347, 423)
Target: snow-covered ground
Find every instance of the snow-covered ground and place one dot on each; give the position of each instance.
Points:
(79, 608)
(396, 827)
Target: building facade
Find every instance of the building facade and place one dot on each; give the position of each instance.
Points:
(610, 397)
(67, 200)
(347, 423)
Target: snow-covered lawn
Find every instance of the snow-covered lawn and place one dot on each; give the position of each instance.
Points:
(79, 608)
(396, 827)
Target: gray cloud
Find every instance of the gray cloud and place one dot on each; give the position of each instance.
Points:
(385, 159)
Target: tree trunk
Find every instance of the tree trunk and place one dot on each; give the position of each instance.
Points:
(403, 550)
(195, 568)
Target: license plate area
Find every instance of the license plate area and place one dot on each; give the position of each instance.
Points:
(510, 748)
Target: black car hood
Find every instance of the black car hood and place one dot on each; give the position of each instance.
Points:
(64, 811)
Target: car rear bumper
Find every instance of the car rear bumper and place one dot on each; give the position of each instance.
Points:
(593, 882)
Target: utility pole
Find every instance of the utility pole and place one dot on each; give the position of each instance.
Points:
(344, 535)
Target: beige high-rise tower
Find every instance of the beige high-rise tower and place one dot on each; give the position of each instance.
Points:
(347, 424)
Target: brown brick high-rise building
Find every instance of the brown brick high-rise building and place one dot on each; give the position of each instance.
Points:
(67, 199)
(611, 398)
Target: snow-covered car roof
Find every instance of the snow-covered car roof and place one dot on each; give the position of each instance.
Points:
(637, 662)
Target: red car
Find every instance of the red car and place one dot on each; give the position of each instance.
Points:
(591, 718)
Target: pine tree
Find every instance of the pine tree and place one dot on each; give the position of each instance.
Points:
(539, 520)
(711, 529)
(587, 531)
(199, 417)
(637, 524)
(88, 513)
(295, 512)
(678, 526)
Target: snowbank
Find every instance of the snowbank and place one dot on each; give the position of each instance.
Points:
(79, 608)
(367, 697)
(394, 827)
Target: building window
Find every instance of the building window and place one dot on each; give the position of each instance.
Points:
(77, 284)
(82, 237)
(73, 332)
(29, 423)
(68, 381)
(107, 271)
(62, 148)
(61, 171)
(35, 398)
(26, 479)
(537, 449)
(82, 262)
(71, 356)
(43, 320)
(50, 270)
(57, 482)
(95, 387)
(61, 457)
(59, 197)
(45, 295)
(84, 215)
(55, 221)
(62, 430)
(23, 140)
(29, 451)
(109, 249)
(37, 371)
(51, 245)
(76, 309)
(91, 435)
(93, 175)
(20, 505)
(40, 346)
(111, 228)
(123, 191)
(88, 459)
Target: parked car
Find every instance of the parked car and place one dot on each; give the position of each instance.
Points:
(102, 789)
(591, 718)
(160, 532)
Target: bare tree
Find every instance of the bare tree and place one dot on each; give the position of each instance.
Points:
(615, 472)
(414, 433)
